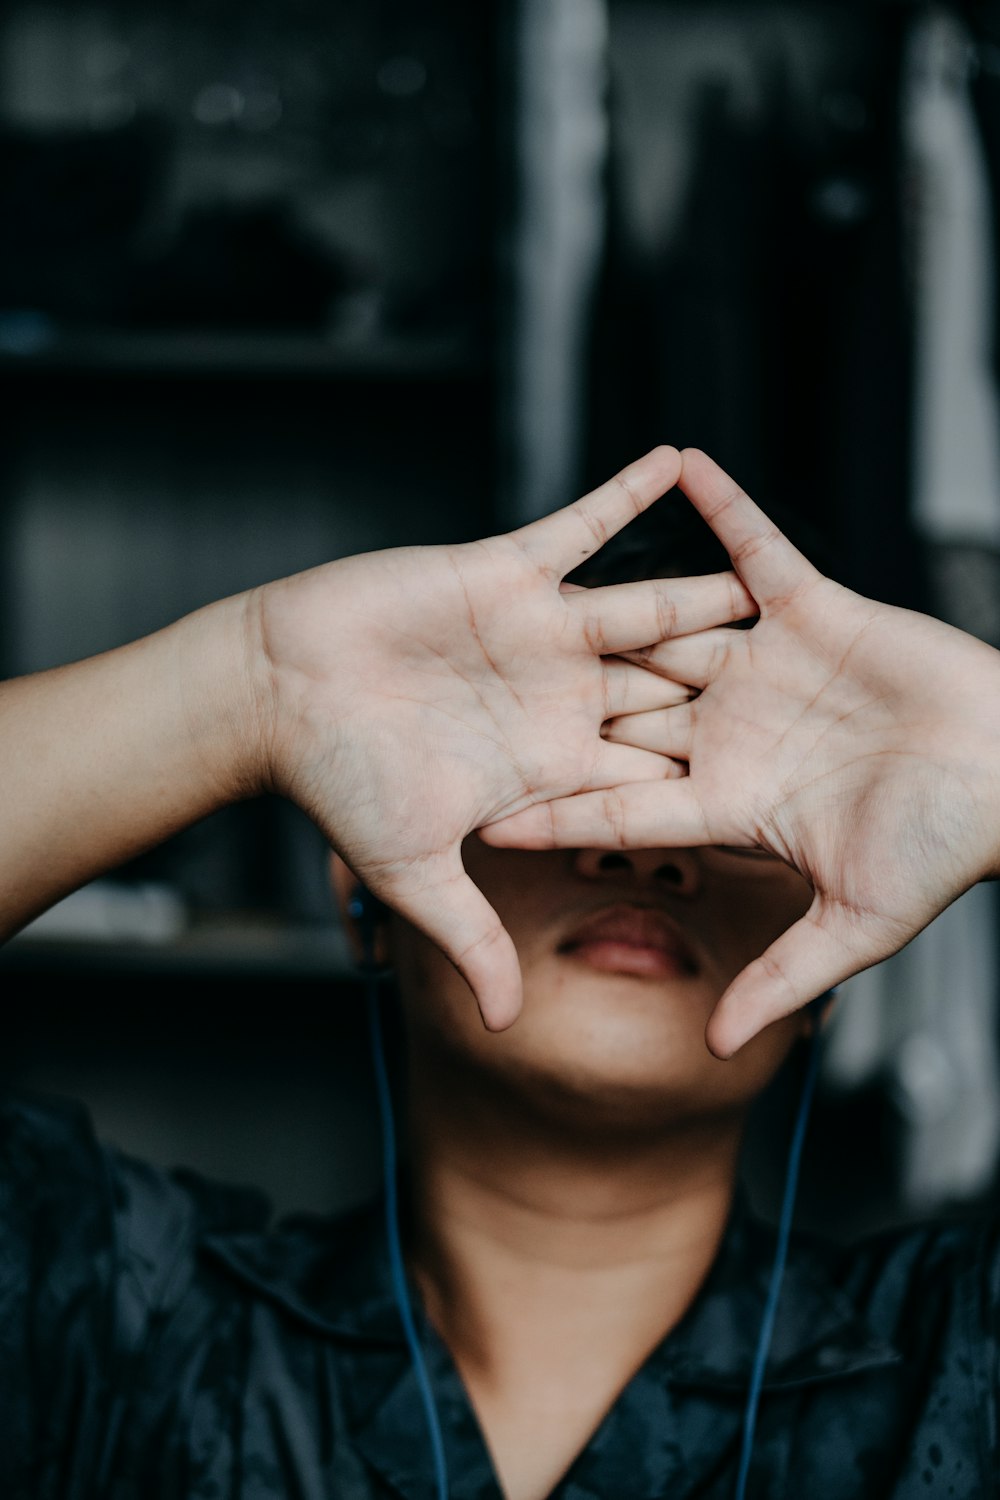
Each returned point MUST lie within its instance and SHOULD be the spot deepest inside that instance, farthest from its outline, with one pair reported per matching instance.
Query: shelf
(244, 946)
(244, 355)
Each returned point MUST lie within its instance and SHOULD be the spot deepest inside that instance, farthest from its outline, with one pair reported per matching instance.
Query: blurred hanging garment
(928, 1017)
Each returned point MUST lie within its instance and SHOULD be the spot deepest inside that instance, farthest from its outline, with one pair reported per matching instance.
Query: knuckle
(624, 484)
(593, 634)
(615, 816)
(666, 615)
(594, 524)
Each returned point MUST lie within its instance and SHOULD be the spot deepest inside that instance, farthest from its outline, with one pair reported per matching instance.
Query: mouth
(639, 941)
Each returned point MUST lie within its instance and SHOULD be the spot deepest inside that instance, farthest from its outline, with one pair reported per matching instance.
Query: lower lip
(643, 962)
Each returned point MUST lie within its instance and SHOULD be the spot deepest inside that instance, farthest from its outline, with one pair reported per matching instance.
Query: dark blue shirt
(159, 1340)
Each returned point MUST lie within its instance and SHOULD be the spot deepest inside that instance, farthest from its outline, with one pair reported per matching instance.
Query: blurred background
(283, 282)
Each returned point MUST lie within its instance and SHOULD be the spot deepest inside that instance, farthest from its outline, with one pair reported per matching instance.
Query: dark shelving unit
(249, 356)
(249, 303)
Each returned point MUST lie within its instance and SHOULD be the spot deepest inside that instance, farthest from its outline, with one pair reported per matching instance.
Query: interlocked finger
(692, 659)
(668, 731)
(631, 616)
(644, 815)
(623, 764)
(629, 689)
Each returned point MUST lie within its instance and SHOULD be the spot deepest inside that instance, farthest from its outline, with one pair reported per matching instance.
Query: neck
(536, 1245)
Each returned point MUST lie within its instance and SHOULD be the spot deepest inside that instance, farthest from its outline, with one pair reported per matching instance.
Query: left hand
(857, 742)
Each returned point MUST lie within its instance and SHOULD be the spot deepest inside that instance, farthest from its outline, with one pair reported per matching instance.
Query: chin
(592, 1050)
(624, 1015)
(606, 1098)
(612, 1047)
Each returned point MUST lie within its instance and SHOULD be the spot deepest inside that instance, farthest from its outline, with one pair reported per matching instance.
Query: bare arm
(107, 757)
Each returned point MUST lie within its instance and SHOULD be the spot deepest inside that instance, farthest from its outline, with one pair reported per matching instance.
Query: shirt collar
(334, 1276)
(819, 1333)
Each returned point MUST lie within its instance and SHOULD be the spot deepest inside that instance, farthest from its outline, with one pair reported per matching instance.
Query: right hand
(421, 692)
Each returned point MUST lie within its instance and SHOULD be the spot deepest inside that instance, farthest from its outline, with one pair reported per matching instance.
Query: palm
(462, 685)
(814, 715)
(844, 736)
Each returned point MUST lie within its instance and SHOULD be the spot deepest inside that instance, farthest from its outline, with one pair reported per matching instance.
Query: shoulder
(928, 1256)
(80, 1219)
(932, 1290)
(52, 1162)
(96, 1250)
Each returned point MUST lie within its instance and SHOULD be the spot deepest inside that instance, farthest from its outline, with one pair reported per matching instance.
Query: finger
(452, 911)
(810, 958)
(629, 616)
(664, 732)
(632, 690)
(563, 540)
(645, 815)
(765, 559)
(624, 763)
(692, 659)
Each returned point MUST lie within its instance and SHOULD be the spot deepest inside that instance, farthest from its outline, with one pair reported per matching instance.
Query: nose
(676, 870)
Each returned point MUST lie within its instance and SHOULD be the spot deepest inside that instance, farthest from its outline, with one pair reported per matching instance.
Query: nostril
(671, 874)
(613, 862)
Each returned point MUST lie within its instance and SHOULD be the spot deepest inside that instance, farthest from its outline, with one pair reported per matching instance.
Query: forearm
(106, 758)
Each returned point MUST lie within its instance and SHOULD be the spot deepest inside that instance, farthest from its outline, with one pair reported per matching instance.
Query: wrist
(991, 819)
(227, 703)
(981, 765)
(299, 632)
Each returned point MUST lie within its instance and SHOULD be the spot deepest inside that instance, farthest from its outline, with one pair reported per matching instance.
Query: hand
(422, 692)
(857, 742)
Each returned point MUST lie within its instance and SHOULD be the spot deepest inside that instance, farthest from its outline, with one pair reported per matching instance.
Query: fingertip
(492, 970)
(520, 830)
(499, 995)
(669, 458)
(497, 1018)
(698, 467)
(495, 835)
(731, 1025)
(717, 1041)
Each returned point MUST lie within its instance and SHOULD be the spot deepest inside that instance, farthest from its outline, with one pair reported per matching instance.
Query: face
(623, 957)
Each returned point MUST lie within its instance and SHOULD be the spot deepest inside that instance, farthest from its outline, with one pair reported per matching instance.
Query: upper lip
(638, 926)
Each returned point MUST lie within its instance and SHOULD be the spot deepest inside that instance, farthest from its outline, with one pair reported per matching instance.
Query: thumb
(452, 911)
(814, 955)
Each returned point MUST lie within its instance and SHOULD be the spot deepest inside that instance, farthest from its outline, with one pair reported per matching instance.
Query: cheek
(760, 911)
(431, 989)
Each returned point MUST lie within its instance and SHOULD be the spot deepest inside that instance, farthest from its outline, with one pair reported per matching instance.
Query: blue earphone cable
(780, 1251)
(389, 1173)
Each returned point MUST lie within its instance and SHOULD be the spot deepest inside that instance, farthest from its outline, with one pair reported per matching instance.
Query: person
(810, 792)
